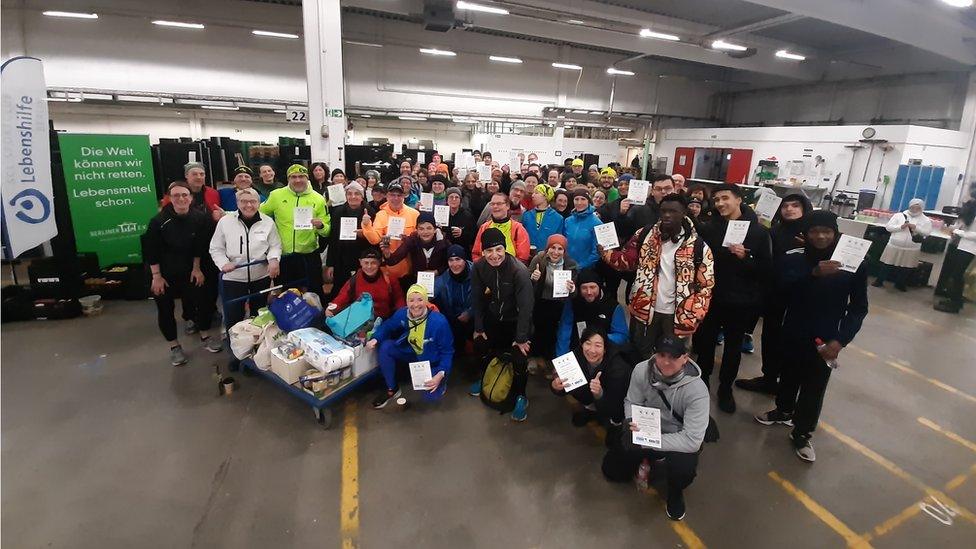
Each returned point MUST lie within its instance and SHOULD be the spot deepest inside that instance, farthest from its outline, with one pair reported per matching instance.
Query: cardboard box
(287, 369)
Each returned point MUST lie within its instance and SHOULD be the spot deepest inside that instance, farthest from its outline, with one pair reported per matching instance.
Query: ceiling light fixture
(575, 22)
(614, 71)
(435, 51)
(480, 7)
(367, 44)
(178, 24)
(723, 45)
(648, 33)
(65, 99)
(282, 111)
(219, 108)
(414, 118)
(567, 66)
(71, 14)
(464, 120)
(783, 54)
(501, 59)
(366, 116)
(274, 34)
(959, 3)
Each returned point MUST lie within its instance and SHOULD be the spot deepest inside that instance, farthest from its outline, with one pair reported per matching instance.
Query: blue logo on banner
(31, 198)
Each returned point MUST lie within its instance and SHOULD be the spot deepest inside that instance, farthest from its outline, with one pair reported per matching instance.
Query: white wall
(545, 147)
(934, 146)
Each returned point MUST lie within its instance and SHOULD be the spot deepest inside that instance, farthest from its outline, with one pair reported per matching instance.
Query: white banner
(28, 199)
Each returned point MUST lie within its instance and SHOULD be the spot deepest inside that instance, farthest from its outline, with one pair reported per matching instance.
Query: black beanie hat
(821, 218)
(426, 217)
(581, 191)
(589, 275)
(492, 237)
(370, 252)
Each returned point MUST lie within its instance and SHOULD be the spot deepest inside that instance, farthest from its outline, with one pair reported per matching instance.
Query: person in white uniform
(908, 229)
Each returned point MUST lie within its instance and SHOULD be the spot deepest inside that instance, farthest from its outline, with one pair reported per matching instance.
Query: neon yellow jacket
(281, 204)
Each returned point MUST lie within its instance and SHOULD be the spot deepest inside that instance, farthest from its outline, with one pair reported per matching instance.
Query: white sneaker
(804, 450)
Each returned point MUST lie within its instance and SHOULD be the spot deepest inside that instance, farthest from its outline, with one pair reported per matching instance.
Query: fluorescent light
(723, 45)
(282, 111)
(787, 55)
(567, 66)
(65, 99)
(414, 118)
(179, 24)
(959, 3)
(72, 14)
(480, 7)
(97, 96)
(501, 59)
(143, 99)
(219, 108)
(367, 44)
(435, 51)
(575, 22)
(366, 116)
(560, 116)
(612, 70)
(648, 33)
(464, 120)
(441, 116)
(274, 34)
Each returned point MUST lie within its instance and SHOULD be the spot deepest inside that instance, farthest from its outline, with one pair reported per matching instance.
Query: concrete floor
(106, 445)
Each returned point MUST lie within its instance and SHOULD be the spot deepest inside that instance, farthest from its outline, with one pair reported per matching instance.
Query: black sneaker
(773, 417)
(385, 397)
(726, 402)
(582, 417)
(757, 385)
(676, 505)
(803, 448)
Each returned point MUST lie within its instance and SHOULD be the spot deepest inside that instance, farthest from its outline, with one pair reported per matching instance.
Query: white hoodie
(234, 242)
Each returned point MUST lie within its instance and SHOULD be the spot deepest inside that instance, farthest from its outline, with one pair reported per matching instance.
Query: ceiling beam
(931, 28)
(755, 26)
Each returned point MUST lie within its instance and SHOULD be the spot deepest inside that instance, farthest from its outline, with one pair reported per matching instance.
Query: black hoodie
(615, 380)
(740, 282)
(784, 234)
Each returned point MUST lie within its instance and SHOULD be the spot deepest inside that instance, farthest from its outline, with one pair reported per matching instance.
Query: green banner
(111, 193)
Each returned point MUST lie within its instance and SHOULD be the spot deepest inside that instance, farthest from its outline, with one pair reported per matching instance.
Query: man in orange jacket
(377, 230)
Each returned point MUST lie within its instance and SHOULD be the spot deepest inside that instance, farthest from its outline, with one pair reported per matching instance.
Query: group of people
(520, 276)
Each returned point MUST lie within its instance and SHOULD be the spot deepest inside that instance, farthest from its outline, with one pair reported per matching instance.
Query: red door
(684, 157)
(738, 170)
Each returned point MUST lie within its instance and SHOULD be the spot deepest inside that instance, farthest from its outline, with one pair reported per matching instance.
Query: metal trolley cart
(321, 406)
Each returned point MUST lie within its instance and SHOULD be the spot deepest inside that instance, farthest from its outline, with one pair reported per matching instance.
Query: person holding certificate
(607, 376)
(386, 292)
(346, 240)
(385, 229)
(825, 310)
(743, 273)
(415, 333)
(908, 229)
(552, 272)
(438, 187)
(670, 386)
(460, 227)
(426, 249)
(579, 230)
(591, 307)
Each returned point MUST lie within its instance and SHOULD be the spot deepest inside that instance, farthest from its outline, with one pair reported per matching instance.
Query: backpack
(496, 384)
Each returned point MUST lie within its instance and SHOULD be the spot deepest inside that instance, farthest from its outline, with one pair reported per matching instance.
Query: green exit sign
(335, 113)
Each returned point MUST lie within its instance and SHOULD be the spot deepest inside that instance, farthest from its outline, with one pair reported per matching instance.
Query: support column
(326, 86)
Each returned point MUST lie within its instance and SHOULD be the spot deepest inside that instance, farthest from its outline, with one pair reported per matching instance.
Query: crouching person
(670, 382)
(607, 376)
(414, 333)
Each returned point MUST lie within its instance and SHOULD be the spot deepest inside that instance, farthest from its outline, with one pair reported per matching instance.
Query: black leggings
(621, 462)
(954, 274)
(733, 320)
(234, 312)
(545, 316)
(193, 298)
(307, 267)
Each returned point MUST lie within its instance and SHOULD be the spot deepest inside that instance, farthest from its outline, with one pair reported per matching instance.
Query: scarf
(415, 332)
(550, 267)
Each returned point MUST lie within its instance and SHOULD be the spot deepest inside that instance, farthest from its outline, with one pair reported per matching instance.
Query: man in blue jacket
(541, 221)
(590, 308)
(414, 334)
(452, 295)
(824, 311)
(579, 230)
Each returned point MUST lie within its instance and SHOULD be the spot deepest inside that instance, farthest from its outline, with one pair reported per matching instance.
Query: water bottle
(820, 345)
(643, 475)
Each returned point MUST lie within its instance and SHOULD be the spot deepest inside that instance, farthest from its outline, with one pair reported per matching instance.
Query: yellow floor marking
(912, 372)
(828, 518)
(914, 509)
(681, 528)
(896, 470)
(949, 434)
(349, 498)
(923, 322)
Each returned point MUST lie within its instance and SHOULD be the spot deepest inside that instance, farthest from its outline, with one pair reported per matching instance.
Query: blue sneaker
(520, 413)
(747, 346)
(720, 339)
(475, 388)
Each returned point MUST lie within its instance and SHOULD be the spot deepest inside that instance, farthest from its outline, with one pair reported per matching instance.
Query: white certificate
(560, 278)
(396, 227)
(426, 279)
(484, 171)
(606, 236)
(337, 194)
(515, 162)
(648, 422)
(637, 192)
(568, 370)
(767, 205)
(850, 252)
(420, 374)
(442, 215)
(302, 218)
(426, 202)
(580, 326)
(421, 157)
(465, 160)
(347, 228)
(735, 233)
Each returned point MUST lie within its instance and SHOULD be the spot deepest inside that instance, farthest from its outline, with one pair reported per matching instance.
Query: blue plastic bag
(291, 312)
(352, 318)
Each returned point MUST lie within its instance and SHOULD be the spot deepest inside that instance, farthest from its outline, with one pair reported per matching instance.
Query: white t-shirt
(664, 303)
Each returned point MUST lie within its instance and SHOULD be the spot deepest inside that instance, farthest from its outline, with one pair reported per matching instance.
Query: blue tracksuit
(539, 233)
(582, 239)
(394, 347)
(452, 297)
